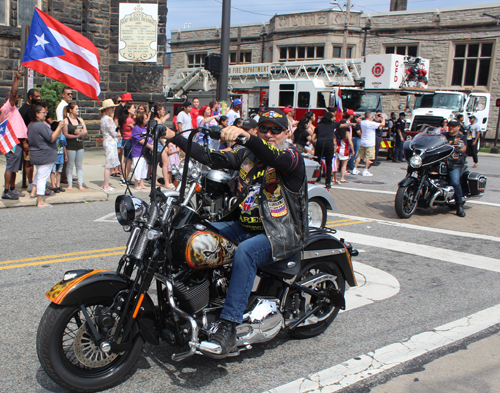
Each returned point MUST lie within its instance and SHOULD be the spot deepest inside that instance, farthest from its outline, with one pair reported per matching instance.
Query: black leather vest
(283, 213)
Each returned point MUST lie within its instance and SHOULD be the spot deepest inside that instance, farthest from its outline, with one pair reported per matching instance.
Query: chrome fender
(316, 191)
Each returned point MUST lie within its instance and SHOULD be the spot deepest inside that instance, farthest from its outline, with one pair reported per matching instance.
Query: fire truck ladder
(333, 72)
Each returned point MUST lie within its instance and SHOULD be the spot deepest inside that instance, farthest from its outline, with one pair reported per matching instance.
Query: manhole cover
(368, 182)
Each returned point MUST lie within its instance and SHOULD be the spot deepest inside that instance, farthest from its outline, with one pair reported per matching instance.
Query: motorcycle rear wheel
(64, 341)
(403, 203)
(317, 213)
(319, 321)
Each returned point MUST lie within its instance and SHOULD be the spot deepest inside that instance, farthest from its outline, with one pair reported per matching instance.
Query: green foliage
(51, 94)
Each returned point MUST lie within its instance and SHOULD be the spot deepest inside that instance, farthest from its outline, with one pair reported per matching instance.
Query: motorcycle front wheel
(301, 302)
(403, 203)
(68, 353)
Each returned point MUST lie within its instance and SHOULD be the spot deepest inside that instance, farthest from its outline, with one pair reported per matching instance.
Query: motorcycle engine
(262, 322)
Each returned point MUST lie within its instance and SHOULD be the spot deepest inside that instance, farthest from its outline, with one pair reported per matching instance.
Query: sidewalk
(93, 175)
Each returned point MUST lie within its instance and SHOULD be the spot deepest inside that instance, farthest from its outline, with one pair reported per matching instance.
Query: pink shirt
(15, 119)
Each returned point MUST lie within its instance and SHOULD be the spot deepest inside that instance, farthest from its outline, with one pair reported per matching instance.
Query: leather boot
(225, 336)
(460, 209)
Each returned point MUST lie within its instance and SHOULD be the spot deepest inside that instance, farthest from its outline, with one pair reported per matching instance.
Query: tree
(51, 95)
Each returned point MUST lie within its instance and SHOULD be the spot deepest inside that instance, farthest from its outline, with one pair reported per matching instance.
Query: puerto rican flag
(340, 109)
(56, 51)
(8, 139)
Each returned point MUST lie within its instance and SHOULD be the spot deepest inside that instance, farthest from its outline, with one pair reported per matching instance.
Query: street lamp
(347, 14)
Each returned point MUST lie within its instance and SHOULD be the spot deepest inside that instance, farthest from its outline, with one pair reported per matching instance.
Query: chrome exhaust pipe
(433, 199)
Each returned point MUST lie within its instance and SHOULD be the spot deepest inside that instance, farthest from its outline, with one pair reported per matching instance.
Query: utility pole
(347, 15)
(223, 81)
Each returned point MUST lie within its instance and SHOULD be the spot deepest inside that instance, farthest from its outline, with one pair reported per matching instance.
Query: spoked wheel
(317, 213)
(404, 204)
(72, 357)
(298, 303)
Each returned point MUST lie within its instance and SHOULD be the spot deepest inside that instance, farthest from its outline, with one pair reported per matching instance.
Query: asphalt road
(433, 291)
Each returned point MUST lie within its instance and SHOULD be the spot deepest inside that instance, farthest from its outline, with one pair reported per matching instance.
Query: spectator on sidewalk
(67, 95)
(235, 111)
(126, 123)
(344, 146)
(356, 142)
(14, 158)
(368, 140)
(158, 114)
(33, 98)
(110, 134)
(473, 131)
(195, 112)
(138, 140)
(62, 157)
(43, 150)
(184, 121)
(301, 135)
(74, 130)
(444, 126)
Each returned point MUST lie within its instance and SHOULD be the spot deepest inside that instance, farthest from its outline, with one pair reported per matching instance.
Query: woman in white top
(110, 138)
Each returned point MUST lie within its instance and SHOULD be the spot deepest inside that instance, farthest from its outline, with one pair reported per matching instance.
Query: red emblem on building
(378, 70)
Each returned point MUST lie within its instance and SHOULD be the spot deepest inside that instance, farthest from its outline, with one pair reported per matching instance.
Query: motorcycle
(211, 192)
(426, 184)
(94, 329)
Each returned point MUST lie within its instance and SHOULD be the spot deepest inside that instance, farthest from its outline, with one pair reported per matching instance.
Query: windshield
(359, 101)
(429, 138)
(439, 100)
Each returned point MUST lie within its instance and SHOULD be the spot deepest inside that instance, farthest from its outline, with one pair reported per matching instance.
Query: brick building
(461, 42)
(98, 21)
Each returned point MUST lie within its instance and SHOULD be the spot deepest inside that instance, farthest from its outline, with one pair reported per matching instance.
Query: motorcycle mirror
(214, 132)
(218, 160)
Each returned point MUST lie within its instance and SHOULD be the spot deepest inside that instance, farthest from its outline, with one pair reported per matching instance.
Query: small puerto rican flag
(8, 139)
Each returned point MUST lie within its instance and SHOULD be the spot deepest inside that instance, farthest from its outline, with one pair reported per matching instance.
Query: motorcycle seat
(286, 268)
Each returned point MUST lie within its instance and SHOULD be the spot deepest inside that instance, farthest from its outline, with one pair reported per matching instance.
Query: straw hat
(107, 104)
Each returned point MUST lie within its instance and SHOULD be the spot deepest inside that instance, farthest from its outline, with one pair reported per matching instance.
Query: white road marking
(365, 366)
(111, 217)
(373, 285)
(394, 193)
(441, 254)
(418, 227)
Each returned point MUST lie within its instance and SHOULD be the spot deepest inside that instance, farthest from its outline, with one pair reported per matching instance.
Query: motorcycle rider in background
(456, 162)
(272, 223)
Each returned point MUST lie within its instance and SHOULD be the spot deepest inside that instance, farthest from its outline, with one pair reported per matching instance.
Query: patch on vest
(275, 201)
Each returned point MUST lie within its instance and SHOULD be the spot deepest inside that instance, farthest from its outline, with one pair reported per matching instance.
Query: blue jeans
(357, 143)
(454, 179)
(253, 251)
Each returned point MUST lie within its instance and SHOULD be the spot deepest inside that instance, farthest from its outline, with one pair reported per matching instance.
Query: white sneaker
(355, 171)
(366, 173)
(30, 187)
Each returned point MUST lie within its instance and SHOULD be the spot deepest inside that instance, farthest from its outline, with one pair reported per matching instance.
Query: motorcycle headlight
(416, 161)
(129, 208)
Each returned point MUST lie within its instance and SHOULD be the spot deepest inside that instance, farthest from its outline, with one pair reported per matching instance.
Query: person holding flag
(12, 132)
(60, 53)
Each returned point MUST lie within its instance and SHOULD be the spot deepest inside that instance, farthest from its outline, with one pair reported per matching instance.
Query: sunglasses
(274, 130)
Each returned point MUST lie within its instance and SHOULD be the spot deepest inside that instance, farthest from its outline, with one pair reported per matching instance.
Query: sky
(205, 13)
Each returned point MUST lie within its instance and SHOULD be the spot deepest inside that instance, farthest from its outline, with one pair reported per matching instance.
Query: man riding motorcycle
(272, 223)
(456, 162)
